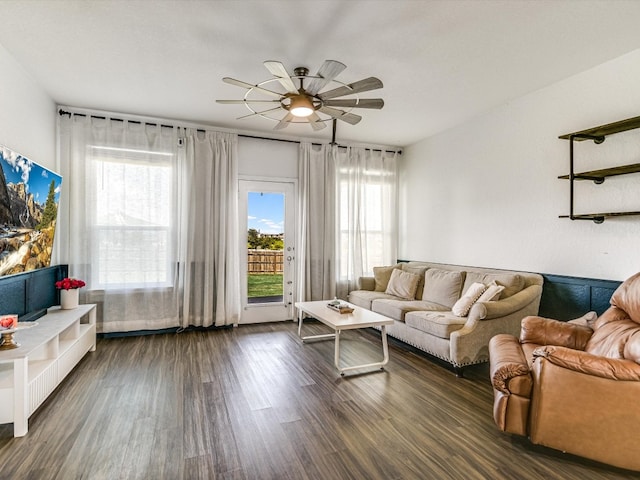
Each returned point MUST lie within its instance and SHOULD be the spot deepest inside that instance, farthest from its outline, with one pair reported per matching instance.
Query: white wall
(486, 193)
(267, 158)
(27, 114)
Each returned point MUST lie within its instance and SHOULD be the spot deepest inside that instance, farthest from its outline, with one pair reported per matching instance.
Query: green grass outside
(269, 285)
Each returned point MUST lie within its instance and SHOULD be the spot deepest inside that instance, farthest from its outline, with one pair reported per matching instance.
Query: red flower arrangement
(69, 284)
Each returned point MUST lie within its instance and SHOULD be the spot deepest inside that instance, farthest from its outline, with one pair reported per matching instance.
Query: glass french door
(267, 250)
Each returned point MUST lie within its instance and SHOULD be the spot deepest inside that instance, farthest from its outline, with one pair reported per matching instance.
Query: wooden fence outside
(265, 262)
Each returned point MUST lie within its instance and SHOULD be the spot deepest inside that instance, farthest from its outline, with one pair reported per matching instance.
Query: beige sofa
(452, 311)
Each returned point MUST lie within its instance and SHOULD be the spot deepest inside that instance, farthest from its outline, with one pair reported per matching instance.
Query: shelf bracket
(597, 139)
(596, 180)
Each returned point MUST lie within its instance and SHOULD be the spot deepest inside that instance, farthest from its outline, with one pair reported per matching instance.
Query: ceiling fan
(305, 101)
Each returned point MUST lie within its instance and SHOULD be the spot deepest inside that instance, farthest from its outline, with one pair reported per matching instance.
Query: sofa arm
(545, 331)
(367, 283)
(588, 364)
(506, 306)
(509, 369)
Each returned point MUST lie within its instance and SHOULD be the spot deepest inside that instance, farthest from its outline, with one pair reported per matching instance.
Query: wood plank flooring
(255, 403)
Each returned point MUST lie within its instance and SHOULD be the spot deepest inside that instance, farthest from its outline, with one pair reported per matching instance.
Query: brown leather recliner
(574, 386)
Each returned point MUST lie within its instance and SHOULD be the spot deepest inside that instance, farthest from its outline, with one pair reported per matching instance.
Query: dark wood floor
(254, 403)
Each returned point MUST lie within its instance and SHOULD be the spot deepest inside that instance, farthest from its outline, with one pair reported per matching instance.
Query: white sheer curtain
(317, 218)
(366, 199)
(150, 226)
(212, 256)
(119, 207)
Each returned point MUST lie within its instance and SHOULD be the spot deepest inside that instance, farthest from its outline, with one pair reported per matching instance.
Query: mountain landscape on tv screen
(29, 199)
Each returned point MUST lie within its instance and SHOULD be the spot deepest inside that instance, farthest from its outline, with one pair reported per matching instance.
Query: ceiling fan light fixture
(307, 101)
(301, 106)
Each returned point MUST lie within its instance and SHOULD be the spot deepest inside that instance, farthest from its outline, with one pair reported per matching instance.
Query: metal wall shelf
(598, 135)
(604, 130)
(598, 176)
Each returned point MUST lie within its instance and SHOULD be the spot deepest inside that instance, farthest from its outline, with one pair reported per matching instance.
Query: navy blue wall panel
(13, 295)
(565, 298)
(29, 294)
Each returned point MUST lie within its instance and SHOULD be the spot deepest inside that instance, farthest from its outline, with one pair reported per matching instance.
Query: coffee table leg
(336, 356)
(385, 354)
(385, 347)
(323, 336)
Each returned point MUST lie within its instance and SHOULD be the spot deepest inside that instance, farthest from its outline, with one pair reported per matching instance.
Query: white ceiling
(441, 62)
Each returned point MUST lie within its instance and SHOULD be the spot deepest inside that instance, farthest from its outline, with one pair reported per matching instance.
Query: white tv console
(48, 351)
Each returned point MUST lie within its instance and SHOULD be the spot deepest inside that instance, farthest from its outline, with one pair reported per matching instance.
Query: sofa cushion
(397, 309)
(402, 284)
(416, 270)
(610, 339)
(439, 324)
(363, 298)
(632, 347)
(627, 297)
(442, 286)
(463, 305)
(382, 276)
(546, 331)
(512, 282)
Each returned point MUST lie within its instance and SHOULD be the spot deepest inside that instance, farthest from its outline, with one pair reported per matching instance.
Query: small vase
(69, 298)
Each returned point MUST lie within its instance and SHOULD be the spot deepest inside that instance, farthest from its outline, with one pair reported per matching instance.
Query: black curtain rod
(64, 112)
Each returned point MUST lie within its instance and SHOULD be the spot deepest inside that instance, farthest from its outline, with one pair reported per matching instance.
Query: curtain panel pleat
(317, 214)
(148, 224)
(212, 255)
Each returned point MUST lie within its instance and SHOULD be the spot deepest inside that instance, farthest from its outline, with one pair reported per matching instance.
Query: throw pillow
(492, 293)
(416, 270)
(382, 276)
(463, 305)
(402, 284)
(442, 286)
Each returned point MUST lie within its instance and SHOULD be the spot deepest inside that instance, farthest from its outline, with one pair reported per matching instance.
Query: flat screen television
(29, 199)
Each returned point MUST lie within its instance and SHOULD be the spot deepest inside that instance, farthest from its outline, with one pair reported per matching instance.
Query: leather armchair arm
(510, 372)
(583, 362)
(545, 331)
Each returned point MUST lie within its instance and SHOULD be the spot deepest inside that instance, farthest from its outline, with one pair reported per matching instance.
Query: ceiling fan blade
(258, 113)
(277, 70)
(371, 83)
(316, 122)
(231, 102)
(285, 121)
(357, 103)
(340, 115)
(238, 83)
(329, 70)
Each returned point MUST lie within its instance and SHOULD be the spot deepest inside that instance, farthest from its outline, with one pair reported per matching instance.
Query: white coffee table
(359, 318)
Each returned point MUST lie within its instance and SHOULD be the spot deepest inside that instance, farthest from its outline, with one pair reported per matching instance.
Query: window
(366, 203)
(369, 244)
(131, 218)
